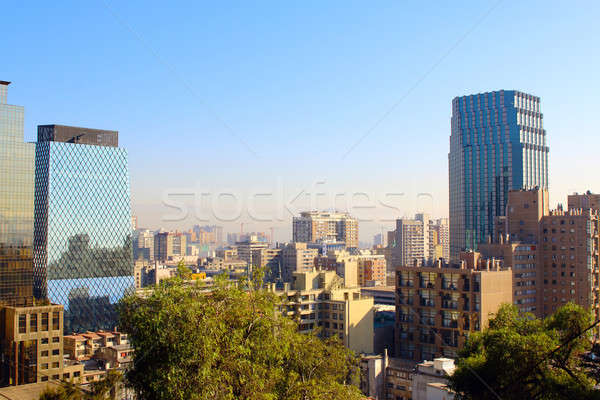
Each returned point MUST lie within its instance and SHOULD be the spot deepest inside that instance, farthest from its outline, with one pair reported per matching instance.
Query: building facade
(296, 257)
(437, 307)
(17, 172)
(553, 254)
(314, 226)
(497, 144)
(319, 299)
(82, 229)
(169, 246)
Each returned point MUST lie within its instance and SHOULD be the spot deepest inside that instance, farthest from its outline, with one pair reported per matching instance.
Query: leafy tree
(229, 342)
(521, 357)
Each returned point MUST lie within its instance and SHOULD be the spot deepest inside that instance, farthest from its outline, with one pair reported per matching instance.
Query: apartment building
(372, 269)
(169, 246)
(296, 257)
(383, 377)
(315, 226)
(32, 344)
(553, 254)
(83, 346)
(437, 307)
(319, 299)
(411, 239)
(343, 263)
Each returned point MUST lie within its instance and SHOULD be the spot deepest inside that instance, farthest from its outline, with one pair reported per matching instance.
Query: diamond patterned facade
(82, 235)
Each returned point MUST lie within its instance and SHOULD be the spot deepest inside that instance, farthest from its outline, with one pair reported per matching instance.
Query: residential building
(437, 307)
(32, 344)
(17, 172)
(584, 201)
(315, 226)
(319, 299)
(82, 230)
(343, 263)
(553, 254)
(411, 242)
(170, 246)
(143, 245)
(439, 240)
(384, 377)
(372, 269)
(84, 346)
(431, 378)
(497, 144)
(296, 257)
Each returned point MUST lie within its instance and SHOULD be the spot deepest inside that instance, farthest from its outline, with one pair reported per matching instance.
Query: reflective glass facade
(82, 242)
(497, 144)
(16, 206)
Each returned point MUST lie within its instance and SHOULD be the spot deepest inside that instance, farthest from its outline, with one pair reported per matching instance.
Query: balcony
(427, 284)
(449, 323)
(449, 304)
(449, 285)
(405, 318)
(426, 302)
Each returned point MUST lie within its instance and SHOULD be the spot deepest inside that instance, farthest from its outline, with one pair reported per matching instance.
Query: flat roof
(31, 391)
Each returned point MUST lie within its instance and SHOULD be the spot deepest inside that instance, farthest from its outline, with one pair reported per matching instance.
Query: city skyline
(335, 102)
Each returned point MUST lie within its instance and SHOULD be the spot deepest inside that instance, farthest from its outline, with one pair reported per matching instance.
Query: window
(55, 320)
(44, 379)
(44, 321)
(22, 323)
(33, 322)
(44, 366)
(45, 353)
(55, 352)
(55, 365)
(45, 340)
(56, 339)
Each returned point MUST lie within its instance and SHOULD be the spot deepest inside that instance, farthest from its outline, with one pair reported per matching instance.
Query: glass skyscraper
(16, 206)
(82, 236)
(497, 144)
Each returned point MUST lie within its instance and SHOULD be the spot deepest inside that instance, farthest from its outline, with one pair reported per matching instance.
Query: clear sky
(281, 97)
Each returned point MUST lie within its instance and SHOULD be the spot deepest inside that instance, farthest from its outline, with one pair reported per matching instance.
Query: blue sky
(255, 98)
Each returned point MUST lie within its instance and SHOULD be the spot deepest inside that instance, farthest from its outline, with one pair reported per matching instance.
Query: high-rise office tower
(82, 232)
(16, 205)
(325, 227)
(497, 144)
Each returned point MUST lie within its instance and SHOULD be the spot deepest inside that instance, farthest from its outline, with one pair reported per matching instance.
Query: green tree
(229, 342)
(521, 357)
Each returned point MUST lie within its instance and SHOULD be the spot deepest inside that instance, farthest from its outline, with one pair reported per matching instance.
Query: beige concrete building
(315, 226)
(437, 307)
(343, 263)
(382, 378)
(296, 257)
(319, 299)
(32, 344)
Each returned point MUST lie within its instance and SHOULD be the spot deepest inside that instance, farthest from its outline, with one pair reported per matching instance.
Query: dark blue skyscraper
(82, 236)
(497, 144)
